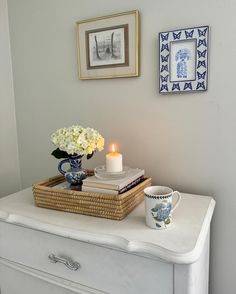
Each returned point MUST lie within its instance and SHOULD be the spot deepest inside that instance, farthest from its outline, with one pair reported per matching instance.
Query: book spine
(99, 190)
(101, 186)
(131, 185)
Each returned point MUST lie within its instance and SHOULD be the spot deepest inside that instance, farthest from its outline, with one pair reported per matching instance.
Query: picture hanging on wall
(183, 60)
(108, 46)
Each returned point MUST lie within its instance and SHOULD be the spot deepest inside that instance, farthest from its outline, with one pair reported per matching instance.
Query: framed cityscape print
(183, 60)
(108, 46)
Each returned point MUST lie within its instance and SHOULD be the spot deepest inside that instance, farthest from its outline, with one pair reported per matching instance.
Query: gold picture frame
(108, 46)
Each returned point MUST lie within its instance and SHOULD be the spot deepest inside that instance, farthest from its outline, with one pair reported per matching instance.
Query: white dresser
(50, 252)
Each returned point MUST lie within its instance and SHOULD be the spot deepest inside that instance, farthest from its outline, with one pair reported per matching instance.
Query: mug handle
(177, 202)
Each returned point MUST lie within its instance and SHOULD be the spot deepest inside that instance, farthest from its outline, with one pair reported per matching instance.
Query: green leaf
(60, 154)
(167, 221)
(90, 155)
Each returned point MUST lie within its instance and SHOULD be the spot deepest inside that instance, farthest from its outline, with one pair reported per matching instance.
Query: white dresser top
(182, 242)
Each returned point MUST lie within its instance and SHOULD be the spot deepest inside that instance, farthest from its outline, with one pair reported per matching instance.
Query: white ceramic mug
(159, 206)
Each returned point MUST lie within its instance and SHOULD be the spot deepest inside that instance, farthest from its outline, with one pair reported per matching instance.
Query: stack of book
(114, 187)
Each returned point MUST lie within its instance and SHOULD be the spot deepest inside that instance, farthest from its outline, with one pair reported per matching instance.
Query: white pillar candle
(114, 161)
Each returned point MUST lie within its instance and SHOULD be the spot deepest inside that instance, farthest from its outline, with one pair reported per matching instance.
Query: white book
(119, 184)
(99, 190)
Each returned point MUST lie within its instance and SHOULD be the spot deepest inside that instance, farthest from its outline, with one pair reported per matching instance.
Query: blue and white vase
(75, 174)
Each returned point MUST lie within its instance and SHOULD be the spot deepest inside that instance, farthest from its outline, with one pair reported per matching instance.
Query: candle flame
(113, 148)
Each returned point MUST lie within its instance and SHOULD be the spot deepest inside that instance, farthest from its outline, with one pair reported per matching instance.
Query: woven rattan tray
(108, 206)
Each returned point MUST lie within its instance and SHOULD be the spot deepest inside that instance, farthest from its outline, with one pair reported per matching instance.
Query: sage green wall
(9, 169)
(183, 141)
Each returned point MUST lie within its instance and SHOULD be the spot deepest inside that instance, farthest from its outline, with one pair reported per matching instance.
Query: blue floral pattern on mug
(161, 212)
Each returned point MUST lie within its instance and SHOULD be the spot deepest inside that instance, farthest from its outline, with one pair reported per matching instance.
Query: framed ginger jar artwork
(183, 59)
(108, 46)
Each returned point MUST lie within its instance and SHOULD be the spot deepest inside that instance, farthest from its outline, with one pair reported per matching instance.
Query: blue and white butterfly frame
(201, 37)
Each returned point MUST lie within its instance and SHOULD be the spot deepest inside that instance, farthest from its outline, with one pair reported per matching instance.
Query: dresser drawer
(101, 268)
(34, 285)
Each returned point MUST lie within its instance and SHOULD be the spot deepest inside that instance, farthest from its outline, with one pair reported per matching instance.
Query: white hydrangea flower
(78, 140)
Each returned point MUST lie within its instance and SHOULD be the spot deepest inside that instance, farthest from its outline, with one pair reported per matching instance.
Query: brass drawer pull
(72, 265)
